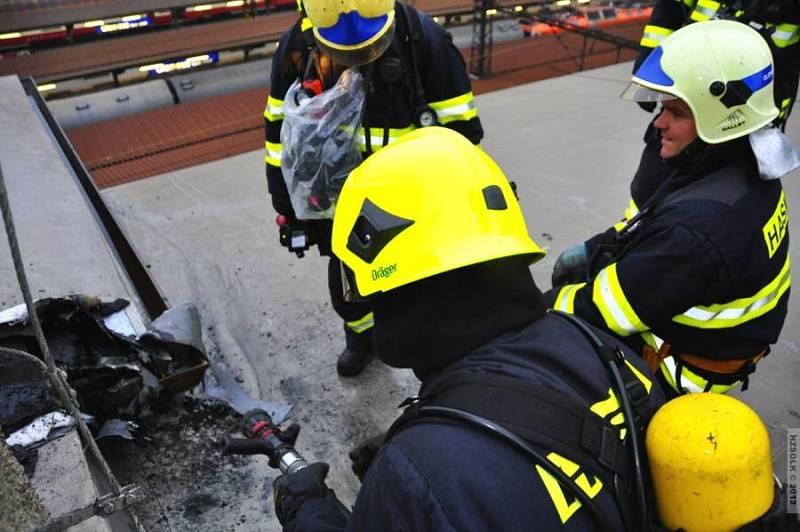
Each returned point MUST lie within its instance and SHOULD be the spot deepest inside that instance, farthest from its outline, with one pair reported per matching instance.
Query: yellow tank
(710, 462)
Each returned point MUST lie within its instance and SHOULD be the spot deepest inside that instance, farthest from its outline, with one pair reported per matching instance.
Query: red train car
(589, 17)
(91, 29)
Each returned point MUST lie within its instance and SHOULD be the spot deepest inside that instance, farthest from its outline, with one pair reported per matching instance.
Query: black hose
(626, 409)
(634, 435)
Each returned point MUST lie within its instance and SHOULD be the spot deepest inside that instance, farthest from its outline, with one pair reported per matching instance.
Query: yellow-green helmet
(710, 463)
(722, 69)
(352, 32)
(426, 204)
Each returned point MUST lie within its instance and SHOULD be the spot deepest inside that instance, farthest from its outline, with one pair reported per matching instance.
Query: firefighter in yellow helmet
(430, 232)
(411, 76)
(698, 281)
(354, 32)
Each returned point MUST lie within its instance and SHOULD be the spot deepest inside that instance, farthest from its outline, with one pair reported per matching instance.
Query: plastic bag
(320, 144)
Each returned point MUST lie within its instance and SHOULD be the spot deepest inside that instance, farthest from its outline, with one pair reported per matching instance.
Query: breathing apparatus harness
(390, 70)
(501, 407)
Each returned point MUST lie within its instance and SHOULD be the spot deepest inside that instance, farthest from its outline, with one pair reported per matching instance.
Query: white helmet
(723, 71)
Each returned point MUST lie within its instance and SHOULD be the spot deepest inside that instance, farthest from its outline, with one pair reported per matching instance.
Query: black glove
(362, 455)
(278, 192)
(571, 267)
(291, 491)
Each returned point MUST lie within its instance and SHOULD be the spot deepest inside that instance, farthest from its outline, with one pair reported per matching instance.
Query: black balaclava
(431, 323)
(700, 158)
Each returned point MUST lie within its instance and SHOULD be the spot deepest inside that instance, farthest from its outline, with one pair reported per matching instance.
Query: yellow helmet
(710, 463)
(722, 69)
(426, 204)
(352, 32)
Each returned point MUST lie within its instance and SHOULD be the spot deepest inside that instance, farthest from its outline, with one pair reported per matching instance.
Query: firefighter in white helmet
(698, 281)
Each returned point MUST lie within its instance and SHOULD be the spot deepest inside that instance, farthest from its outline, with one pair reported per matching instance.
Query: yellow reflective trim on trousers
(786, 35)
(274, 109)
(630, 211)
(567, 508)
(565, 302)
(705, 10)
(273, 153)
(376, 136)
(459, 108)
(361, 325)
(690, 381)
(610, 300)
(722, 316)
(653, 35)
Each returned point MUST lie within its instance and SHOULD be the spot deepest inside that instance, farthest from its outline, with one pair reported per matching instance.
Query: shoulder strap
(636, 408)
(637, 394)
(538, 415)
(412, 27)
(411, 24)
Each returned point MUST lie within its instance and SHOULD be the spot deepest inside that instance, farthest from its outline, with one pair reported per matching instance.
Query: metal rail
(587, 34)
(484, 13)
(145, 287)
(480, 62)
(596, 34)
(482, 40)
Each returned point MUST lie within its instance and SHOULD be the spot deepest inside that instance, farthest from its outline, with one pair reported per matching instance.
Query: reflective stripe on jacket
(707, 269)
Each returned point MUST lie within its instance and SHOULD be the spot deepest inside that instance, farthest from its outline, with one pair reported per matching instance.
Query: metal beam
(586, 32)
(480, 57)
(146, 288)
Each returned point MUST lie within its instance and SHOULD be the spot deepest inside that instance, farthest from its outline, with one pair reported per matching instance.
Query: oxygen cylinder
(710, 463)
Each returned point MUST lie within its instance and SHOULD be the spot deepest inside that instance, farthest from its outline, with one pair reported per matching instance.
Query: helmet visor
(639, 93)
(356, 55)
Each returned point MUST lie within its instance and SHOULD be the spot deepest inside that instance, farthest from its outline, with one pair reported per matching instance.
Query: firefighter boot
(352, 361)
